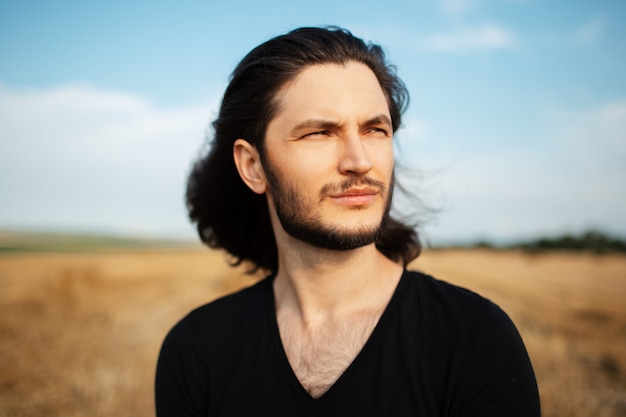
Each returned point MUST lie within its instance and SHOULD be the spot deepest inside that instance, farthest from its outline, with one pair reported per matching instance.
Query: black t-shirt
(438, 350)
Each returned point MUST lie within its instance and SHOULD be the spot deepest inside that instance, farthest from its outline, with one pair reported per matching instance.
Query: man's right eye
(317, 133)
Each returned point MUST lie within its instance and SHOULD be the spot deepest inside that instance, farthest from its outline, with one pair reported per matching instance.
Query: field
(80, 332)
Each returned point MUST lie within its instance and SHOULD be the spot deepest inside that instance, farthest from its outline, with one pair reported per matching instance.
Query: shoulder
(202, 347)
(477, 345)
(453, 314)
(221, 316)
(442, 298)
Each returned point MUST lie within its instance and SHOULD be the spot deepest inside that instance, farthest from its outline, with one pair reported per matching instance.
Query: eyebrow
(380, 119)
(329, 124)
(313, 124)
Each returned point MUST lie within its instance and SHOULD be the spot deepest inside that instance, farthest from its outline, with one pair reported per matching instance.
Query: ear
(248, 162)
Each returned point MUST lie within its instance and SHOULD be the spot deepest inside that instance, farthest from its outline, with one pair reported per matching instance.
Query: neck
(318, 284)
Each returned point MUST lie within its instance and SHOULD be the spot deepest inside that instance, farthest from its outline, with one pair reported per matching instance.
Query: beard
(293, 213)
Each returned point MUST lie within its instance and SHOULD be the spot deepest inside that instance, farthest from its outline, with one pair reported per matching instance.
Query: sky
(516, 126)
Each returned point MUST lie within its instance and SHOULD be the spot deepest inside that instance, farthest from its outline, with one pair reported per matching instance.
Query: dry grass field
(80, 332)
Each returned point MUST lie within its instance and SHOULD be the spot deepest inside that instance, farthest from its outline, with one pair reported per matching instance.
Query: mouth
(355, 196)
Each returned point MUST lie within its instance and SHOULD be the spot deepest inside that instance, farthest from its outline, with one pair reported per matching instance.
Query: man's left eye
(378, 130)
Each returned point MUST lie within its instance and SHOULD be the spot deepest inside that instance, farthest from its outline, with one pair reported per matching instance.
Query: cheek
(303, 178)
(381, 155)
(309, 166)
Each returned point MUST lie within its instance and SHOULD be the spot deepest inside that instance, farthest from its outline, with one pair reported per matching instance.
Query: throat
(320, 354)
(326, 319)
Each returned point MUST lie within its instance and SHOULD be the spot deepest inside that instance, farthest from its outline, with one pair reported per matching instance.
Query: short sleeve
(501, 378)
(182, 377)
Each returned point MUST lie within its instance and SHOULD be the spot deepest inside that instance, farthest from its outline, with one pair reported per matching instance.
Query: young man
(299, 182)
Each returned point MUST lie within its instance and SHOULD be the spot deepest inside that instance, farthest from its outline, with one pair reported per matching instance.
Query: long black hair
(227, 213)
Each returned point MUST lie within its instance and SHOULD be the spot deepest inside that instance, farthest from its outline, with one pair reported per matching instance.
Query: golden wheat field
(80, 333)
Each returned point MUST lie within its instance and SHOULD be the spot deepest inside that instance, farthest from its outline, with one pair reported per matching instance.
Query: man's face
(329, 157)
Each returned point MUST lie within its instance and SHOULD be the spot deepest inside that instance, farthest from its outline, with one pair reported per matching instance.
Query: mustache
(341, 186)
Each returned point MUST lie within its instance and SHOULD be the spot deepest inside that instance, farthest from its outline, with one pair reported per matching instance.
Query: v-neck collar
(351, 371)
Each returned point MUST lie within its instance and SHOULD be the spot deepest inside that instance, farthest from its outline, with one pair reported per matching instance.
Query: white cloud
(488, 36)
(589, 32)
(571, 178)
(457, 7)
(81, 157)
(594, 136)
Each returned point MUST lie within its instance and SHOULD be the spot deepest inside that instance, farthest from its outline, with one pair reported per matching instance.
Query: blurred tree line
(590, 241)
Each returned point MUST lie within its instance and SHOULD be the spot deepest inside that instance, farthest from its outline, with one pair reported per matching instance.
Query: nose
(354, 159)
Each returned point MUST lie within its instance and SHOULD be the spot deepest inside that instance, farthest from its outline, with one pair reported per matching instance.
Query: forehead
(332, 91)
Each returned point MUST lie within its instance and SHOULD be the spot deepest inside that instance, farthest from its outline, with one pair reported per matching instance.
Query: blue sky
(517, 122)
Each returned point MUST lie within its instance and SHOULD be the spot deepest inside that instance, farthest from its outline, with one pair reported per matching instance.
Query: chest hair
(319, 356)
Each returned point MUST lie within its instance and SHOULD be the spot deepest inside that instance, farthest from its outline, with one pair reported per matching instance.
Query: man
(298, 182)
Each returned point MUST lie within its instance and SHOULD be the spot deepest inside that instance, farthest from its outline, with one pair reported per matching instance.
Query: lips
(355, 192)
(355, 196)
